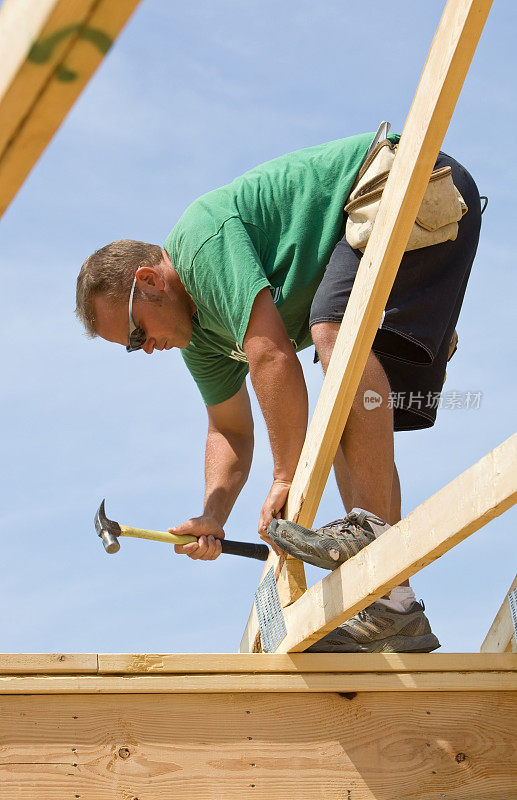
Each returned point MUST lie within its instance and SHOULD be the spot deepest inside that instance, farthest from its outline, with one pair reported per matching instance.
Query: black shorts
(412, 342)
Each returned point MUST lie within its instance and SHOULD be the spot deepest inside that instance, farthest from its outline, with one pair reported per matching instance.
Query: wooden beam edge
(105, 664)
(501, 632)
(458, 681)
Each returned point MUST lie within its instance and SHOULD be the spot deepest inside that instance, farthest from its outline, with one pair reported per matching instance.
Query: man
(252, 273)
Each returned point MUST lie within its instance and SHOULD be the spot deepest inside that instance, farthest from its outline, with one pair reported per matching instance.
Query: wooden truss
(474, 498)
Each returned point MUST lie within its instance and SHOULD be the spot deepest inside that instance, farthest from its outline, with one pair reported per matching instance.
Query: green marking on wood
(41, 51)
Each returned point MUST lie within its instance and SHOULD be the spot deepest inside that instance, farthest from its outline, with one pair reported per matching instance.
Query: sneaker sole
(284, 535)
(395, 644)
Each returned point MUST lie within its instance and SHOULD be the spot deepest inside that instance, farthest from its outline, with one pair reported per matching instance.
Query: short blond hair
(110, 271)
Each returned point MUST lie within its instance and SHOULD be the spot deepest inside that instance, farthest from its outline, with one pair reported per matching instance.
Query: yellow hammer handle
(157, 536)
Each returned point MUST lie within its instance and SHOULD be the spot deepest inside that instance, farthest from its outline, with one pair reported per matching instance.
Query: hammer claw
(108, 530)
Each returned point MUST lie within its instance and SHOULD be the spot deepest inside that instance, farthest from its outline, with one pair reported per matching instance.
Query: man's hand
(209, 533)
(275, 501)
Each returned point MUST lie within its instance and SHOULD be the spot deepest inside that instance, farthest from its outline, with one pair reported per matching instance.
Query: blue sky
(190, 96)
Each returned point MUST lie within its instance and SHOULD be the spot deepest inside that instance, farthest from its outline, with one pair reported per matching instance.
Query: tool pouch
(437, 218)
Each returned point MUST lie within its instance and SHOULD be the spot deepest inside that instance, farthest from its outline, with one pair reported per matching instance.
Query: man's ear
(149, 278)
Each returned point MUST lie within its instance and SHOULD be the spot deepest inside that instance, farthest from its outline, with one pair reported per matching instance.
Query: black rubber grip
(246, 549)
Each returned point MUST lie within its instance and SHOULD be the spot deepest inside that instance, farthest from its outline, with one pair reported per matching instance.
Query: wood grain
(38, 87)
(492, 680)
(49, 663)
(288, 747)
(158, 663)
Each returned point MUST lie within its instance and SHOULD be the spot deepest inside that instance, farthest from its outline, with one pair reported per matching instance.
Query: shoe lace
(361, 516)
(355, 516)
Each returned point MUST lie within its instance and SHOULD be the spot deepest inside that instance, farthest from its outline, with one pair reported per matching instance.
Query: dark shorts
(413, 340)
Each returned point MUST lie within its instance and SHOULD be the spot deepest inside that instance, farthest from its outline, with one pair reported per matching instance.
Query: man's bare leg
(367, 440)
(365, 469)
(344, 485)
(368, 479)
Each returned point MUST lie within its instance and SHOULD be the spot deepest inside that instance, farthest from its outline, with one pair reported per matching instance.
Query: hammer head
(108, 530)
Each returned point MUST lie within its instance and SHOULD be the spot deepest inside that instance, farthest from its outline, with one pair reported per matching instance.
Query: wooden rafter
(445, 70)
(50, 49)
(501, 634)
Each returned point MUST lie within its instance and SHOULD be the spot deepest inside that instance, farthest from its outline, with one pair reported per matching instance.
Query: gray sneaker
(379, 629)
(332, 544)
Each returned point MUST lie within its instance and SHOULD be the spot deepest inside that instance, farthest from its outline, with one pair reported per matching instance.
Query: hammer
(110, 531)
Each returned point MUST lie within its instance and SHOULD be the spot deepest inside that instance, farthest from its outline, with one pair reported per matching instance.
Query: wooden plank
(459, 509)
(48, 663)
(445, 70)
(408, 746)
(499, 637)
(50, 49)
(495, 681)
(257, 663)
(170, 663)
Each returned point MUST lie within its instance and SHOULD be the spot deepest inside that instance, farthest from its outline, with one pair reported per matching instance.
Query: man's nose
(148, 346)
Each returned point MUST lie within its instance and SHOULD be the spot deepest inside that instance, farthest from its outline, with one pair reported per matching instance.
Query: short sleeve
(218, 376)
(225, 277)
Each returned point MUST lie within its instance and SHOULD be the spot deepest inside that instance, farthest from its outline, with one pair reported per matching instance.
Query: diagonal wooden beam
(50, 49)
(467, 503)
(499, 637)
(444, 72)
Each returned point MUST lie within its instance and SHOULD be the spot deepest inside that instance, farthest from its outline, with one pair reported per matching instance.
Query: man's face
(163, 311)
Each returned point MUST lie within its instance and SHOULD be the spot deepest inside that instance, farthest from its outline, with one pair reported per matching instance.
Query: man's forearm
(227, 465)
(280, 388)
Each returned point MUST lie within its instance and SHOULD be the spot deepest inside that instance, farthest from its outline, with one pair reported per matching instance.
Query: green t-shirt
(275, 226)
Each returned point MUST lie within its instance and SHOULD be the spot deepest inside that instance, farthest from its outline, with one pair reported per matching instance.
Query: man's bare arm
(229, 451)
(279, 384)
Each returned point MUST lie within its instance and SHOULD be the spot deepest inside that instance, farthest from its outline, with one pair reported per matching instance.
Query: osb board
(387, 746)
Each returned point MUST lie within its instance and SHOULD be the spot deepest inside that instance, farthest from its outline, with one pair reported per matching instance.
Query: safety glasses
(137, 336)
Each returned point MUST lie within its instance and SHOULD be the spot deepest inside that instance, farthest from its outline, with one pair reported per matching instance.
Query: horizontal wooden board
(261, 682)
(426, 746)
(49, 663)
(20, 664)
(300, 662)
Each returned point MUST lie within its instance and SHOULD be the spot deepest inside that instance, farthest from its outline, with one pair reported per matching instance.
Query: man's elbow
(272, 357)
(241, 441)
